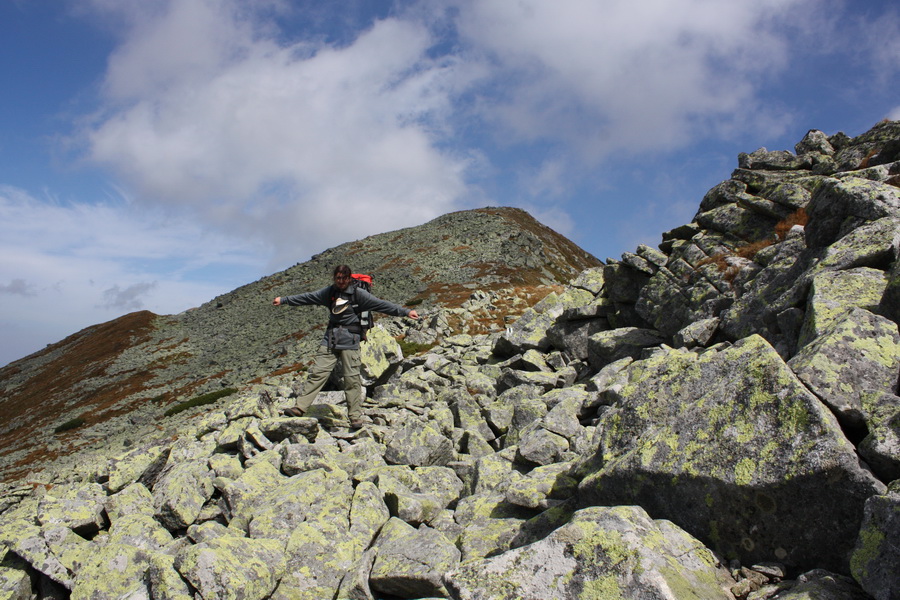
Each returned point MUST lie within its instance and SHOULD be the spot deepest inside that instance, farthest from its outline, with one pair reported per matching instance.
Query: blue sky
(157, 153)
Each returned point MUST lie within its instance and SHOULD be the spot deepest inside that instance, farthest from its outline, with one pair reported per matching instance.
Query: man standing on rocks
(342, 338)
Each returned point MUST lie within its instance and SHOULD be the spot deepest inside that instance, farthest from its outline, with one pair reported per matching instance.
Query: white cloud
(66, 266)
(303, 146)
(618, 76)
(894, 115)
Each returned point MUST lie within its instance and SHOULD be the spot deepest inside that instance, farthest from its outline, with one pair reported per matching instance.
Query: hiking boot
(356, 424)
(293, 411)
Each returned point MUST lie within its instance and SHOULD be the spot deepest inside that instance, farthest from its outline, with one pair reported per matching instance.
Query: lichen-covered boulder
(413, 442)
(317, 495)
(15, 582)
(290, 428)
(856, 358)
(876, 556)
(181, 492)
(489, 524)
(378, 354)
(368, 514)
(873, 243)
(833, 293)
(78, 507)
(729, 445)
(603, 552)
(411, 562)
(140, 464)
(881, 448)
(113, 572)
(542, 486)
(319, 554)
(530, 330)
(609, 346)
(244, 495)
(233, 568)
(134, 499)
(541, 447)
(822, 585)
(840, 205)
(28, 541)
(890, 300)
(166, 583)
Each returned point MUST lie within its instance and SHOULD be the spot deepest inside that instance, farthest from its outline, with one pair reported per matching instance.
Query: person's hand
(413, 314)
(277, 301)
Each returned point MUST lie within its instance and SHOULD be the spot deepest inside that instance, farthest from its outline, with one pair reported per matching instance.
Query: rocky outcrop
(717, 418)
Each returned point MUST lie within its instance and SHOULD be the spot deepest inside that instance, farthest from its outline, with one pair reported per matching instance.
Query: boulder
(881, 448)
(840, 205)
(319, 554)
(411, 562)
(833, 293)
(113, 572)
(889, 305)
(318, 496)
(856, 357)
(876, 555)
(233, 568)
(134, 499)
(489, 524)
(15, 582)
(822, 585)
(181, 492)
(781, 480)
(78, 507)
(609, 346)
(542, 487)
(603, 552)
(415, 443)
(378, 354)
(141, 464)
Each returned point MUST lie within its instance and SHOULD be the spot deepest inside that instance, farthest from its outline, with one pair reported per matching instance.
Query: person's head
(341, 277)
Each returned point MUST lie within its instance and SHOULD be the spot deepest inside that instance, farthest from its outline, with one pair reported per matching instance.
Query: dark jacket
(343, 332)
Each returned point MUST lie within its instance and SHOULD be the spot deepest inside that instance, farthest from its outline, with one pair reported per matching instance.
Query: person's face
(341, 281)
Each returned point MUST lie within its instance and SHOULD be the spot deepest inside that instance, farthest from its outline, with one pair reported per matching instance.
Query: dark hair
(341, 270)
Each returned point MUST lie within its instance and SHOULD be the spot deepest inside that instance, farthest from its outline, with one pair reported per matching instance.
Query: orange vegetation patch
(38, 403)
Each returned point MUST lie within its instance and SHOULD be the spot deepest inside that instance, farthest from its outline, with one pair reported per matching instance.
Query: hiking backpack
(366, 317)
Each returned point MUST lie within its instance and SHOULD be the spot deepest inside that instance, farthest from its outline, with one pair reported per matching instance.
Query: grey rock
(410, 562)
(289, 428)
(777, 448)
(233, 568)
(541, 447)
(15, 583)
(889, 305)
(833, 293)
(858, 356)
(413, 442)
(602, 552)
(134, 499)
(814, 141)
(876, 555)
(181, 492)
(881, 448)
(79, 508)
(141, 464)
(609, 346)
(839, 206)
(696, 334)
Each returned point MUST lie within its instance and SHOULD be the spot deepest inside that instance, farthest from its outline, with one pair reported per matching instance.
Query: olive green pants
(324, 362)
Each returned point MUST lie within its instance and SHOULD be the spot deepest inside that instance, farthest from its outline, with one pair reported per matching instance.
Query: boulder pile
(714, 419)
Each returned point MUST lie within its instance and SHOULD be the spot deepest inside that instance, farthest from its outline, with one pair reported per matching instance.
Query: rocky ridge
(121, 377)
(716, 418)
